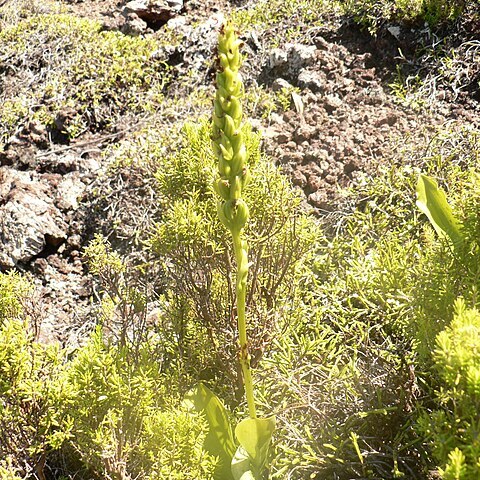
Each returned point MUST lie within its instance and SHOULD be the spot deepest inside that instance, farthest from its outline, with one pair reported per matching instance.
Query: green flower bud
(224, 169)
(236, 188)
(241, 215)
(227, 153)
(236, 141)
(233, 214)
(227, 140)
(237, 163)
(221, 215)
(236, 109)
(229, 128)
(223, 59)
(246, 176)
(222, 187)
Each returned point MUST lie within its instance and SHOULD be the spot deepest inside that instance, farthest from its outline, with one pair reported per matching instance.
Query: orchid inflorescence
(229, 147)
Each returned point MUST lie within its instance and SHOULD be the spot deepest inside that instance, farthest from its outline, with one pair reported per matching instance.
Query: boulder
(133, 25)
(292, 58)
(312, 80)
(154, 12)
(29, 220)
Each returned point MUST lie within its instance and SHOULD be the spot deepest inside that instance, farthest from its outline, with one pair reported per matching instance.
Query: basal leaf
(432, 201)
(219, 440)
(241, 466)
(255, 435)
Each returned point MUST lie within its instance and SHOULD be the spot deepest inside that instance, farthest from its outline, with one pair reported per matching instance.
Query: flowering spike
(229, 148)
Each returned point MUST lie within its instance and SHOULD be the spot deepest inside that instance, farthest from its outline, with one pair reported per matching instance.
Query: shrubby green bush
(389, 263)
(7, 471)
(364, 298)
(127, 419)
(33, 421)
(110, 406)
(452, 272)
(359, 351)
(452, 430)
(122, 310)
(194, 248)
(116, 409)
(262, 15)
(13, 289)
(343, 366)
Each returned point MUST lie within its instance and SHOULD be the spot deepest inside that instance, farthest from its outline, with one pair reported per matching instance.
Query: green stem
(241, 256)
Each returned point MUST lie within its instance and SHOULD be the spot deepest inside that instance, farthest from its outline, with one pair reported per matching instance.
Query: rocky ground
(341, 123)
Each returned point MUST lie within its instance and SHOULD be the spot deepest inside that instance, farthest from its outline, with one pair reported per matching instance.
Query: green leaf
(432, 201)
(255, 435)
(241, 466)
(219, 440)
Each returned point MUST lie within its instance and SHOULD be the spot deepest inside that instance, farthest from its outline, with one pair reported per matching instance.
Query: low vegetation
(363, 326)
(85, 79)
(372, 13)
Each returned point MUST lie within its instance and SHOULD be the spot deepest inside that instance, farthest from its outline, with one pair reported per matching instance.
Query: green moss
(65, 62)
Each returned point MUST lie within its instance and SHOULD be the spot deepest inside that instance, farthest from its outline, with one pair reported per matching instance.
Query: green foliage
(17, 10)
(262, 102)
(102, 260)
(193, 245)
(123, 305)
(409, 90)
(436, 72)
(91, 76)
(7, 471)
(383, 286)
(438, 11)
(265, 14)
(372, 13)
(124, 418)
(332, 371)
(451, 273)
(254, 436)
(456, 468)
(369, 13)
(452, 430)
(112, 407)
(173, 441)
(433, 203)
(13, 288)
(32, 419)
(219, 440)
